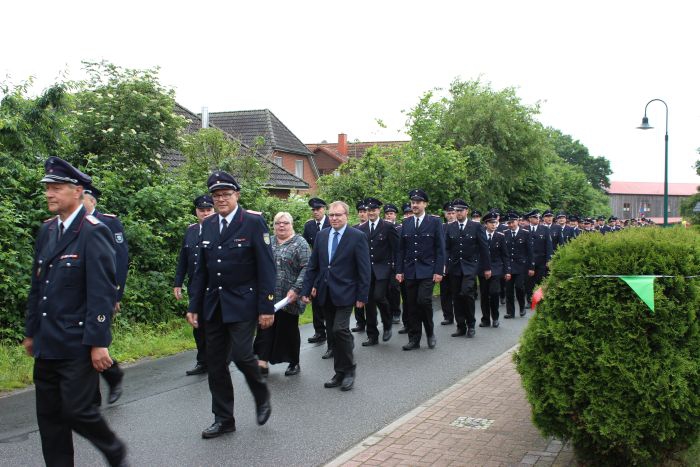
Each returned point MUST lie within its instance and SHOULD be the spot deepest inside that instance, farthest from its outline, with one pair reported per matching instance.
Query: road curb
(390, 428)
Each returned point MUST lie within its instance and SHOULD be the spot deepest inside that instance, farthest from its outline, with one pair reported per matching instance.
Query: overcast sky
(326, 67)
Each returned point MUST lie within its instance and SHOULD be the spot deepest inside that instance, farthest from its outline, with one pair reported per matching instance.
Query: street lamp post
(645, 126)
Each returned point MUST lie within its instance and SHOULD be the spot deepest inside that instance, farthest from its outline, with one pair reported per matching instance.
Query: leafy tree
(570, 190)
(596, 169)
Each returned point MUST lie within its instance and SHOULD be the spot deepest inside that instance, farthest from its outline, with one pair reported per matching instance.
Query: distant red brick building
(329, 156)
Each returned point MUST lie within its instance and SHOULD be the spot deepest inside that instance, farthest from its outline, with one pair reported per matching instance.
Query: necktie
(461, 227)
(334, 245)
(60, 230)
(489, 237)
(371, 228)
(224, 224)
(318, 226)
(534, 228)
(417, 223)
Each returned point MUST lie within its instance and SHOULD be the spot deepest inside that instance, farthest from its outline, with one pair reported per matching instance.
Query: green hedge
(600, 369)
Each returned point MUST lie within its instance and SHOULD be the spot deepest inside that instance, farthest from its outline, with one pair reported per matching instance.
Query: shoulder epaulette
(433, 215)
(500, 233)
(50, 219)
(92, 219)
(257, 213)
(192, 225)
(109, 215)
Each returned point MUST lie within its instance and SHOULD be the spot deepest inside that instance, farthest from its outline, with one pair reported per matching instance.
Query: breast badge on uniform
(119, 237)
(101, 318)
(266, 238)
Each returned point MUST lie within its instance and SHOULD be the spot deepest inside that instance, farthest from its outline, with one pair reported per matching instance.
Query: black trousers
(317, 315)
(419, 308)
(540, 273)
(393, 294)
(65, 402)
(490, 290)
(201, 341)
(360, 318)
(339, 336)
(377, 299)
(446, 301)
(463, 297)
(404, 313)
(234, 340)
(516, 285)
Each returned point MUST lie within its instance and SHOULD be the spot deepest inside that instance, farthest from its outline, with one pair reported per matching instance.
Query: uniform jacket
(383, 248)
(347, 276)
(498, 253)
(557, 234)
(421, 253)
(235, 270)
(541, 244)
(311, 229)
(467, 251)
(187, 259)
(570, 233)
(74, 289)
(121, 246)
(520, 251)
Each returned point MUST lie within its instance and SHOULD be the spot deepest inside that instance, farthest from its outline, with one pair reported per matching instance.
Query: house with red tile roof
(646, 199)
(329, 156)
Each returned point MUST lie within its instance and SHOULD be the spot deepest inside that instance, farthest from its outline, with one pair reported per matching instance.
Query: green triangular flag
(643, 286)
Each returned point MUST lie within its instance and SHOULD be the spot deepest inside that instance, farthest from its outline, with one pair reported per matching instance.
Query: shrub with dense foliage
(600, 369)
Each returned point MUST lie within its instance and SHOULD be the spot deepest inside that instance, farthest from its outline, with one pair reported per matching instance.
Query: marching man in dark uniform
(393, 294)
(69, 316)
(467, 256)
(446, 299)
(383, 246)
(312, 227)
(360, 319)
(521, 263)
(500, 268)
(421, 263)
(91, 195)
(541, 251)
(232, 290)
(186, 263)
(557, 231)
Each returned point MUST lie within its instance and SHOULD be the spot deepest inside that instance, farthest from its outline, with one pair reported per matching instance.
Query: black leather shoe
(446, 322)
(317, 338)
(347, 383)
(386, 335)
(328, 354)
(334, 382)
(403, 330)
(199, 369)
(460, 332)
(411, 346)
(495, 323)
(218, 429)
(509, 316)
(471, 332)
(263, 411)
(396, 320)
(528, 305)
(358, 329)
(432, 342)
(370, 342)
(484, 325)
(292, 370)
(503, 301)
(115, 392)
(523, 312)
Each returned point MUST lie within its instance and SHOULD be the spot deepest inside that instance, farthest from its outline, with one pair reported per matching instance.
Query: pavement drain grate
(471, 422)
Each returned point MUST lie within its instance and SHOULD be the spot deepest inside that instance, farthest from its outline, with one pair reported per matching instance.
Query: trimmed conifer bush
(600, 369)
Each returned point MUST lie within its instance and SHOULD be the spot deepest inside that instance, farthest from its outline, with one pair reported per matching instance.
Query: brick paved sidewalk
(483, 420)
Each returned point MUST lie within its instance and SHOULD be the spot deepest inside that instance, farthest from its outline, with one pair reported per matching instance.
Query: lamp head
(645, 124)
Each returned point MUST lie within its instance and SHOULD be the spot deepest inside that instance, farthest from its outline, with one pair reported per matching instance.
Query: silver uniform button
(218, 260)
(80, 323)
(43, 314)
(218, 273)
(219, 247)
(220, 287)
(44, 298)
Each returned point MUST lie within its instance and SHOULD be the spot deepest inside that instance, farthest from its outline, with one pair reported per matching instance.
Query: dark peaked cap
(59, 171)
(221, 180)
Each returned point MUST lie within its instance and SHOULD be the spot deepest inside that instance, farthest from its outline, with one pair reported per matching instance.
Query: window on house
(644, 208)
(626, 207)
(278, 160)
(299, 169)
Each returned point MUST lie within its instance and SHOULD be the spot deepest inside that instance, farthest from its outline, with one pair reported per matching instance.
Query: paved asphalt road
(162, 411)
